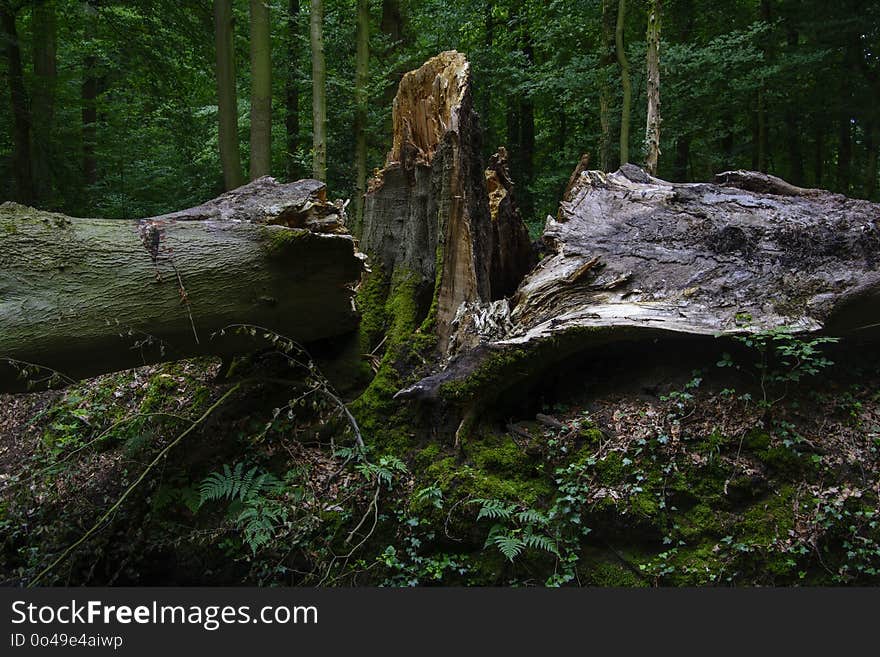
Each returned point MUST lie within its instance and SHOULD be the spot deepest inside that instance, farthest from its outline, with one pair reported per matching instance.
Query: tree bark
(89, 96)
(291, 120)
(361, 80)
(652, 129)
(429, 222)
(43, 95)
(227, 99)
(793, 128)
(261, 90)
(624, 81)
(319, 91)
(21, 117)
(86, 296)
(605, 61)
(527, 138)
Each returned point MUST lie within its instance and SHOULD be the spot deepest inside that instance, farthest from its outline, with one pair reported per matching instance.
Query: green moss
(278, 239)
(514, 363)
(500, 454)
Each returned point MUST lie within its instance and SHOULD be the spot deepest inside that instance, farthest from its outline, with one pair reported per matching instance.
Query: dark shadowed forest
(410, 292)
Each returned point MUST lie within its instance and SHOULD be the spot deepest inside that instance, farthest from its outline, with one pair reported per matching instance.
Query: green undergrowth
(705, 485)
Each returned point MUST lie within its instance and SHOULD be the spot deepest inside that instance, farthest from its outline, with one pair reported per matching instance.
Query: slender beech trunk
(261, 91)
(605, 61)
(89, 96)
(291, 119)
(227, 100)
(21, 119)
(361, 79)
(43, 95)
(625, 82)
(763, 138)
(319, 97)
(486, 96)
(792, 127)
(652, 128)
(527, 139)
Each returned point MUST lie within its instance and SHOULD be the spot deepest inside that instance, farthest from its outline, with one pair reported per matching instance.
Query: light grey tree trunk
(261, 90)
(625, 82)
(319, 97)
(652, 129)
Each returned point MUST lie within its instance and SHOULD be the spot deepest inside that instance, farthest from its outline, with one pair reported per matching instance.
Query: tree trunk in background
(291, 119)
(43, 95)
(527, 141)
(261, 90)
(625, 82)
(682, 156)
(227, 100)
(871, 165)
(818, 154)
(652, 128)
(792, 127)
(319, 98)
(763, 139)
(605, 60)
(486, 105)
(89, 95)
(361, 80)
(21, 129)
(844, 151)
(391, 22)
(71, 286)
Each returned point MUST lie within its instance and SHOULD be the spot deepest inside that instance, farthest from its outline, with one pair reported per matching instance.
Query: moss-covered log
(85, 296)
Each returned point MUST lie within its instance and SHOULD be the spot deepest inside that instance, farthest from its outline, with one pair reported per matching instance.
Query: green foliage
(782, 357)
(236, 483)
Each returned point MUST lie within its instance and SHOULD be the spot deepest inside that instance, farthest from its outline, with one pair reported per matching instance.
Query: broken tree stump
(427, 212)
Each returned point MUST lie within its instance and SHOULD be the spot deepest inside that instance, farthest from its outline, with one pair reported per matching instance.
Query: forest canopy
(112, 105)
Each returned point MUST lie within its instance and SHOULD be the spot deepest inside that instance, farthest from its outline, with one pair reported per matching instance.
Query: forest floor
(661, 469)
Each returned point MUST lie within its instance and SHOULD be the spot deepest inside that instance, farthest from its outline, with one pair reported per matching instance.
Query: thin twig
(134, 485)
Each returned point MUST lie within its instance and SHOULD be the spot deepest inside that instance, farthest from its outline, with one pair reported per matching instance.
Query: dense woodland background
(715, 421)
(114, 104)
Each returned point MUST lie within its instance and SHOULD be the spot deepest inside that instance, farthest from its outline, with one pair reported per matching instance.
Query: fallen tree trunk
(634, 256)
(87, 296)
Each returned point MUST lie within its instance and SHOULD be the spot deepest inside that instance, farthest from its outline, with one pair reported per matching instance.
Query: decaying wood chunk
(429, 205)
(86, 296)
(632, 254)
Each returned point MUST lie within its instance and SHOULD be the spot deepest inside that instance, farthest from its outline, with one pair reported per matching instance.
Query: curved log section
(634, 255)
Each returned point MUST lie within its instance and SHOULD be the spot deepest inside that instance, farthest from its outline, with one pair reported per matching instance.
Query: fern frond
(494, 509)
(509, 545)
(540, 542)
(532, 517)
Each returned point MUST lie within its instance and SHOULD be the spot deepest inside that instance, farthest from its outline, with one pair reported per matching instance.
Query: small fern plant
(250, 497)
(517, 529)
